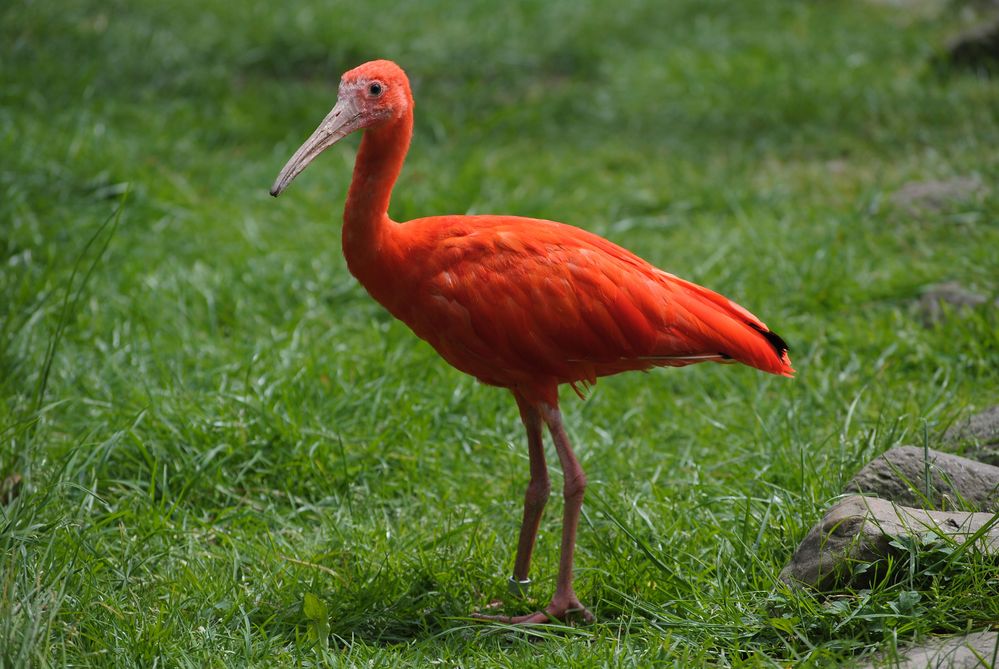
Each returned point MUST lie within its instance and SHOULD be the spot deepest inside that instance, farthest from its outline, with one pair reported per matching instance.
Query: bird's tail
(730, 331)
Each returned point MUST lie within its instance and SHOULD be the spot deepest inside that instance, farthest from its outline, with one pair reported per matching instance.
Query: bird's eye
(375, 89)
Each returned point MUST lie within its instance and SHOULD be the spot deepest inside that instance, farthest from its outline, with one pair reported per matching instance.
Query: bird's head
(370, 95)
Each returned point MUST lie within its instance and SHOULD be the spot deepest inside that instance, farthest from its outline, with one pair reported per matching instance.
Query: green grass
(213, 420)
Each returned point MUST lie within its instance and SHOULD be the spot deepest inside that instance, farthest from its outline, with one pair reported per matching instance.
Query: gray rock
(977, 649)
(858, 531)
(981, 431)
(982, 428)
(977, 48)
(940, 298)
(935, 195)
(909, 476)
(10, 488)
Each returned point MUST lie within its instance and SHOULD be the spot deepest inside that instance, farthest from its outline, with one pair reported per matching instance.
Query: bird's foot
(564, 609)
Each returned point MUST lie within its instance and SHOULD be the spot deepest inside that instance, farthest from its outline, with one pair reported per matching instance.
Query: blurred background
(203, 416)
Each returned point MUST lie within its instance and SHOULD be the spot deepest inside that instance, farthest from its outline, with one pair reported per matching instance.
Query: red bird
(519, 303)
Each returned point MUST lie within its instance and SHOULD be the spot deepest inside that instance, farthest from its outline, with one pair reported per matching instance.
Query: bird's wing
(507, 296)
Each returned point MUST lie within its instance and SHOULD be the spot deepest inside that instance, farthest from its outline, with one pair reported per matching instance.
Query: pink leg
(564, 602)
(537, 490)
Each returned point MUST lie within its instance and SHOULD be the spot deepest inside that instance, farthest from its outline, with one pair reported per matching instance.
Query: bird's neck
(368, 233)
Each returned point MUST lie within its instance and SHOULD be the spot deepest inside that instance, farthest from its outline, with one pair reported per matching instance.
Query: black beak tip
(275, 191)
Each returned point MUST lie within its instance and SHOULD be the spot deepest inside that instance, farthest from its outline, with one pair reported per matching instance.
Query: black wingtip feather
(774, 339)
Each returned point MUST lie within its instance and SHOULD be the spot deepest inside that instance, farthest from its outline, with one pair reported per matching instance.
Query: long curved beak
(342, 120)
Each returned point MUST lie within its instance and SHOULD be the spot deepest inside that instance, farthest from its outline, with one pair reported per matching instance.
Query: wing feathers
(515, 300)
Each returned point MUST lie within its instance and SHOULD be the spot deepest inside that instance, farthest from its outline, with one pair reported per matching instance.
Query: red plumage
(528, 304)
(520, 303)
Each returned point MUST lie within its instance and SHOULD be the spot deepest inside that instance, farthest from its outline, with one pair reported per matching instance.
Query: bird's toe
(557, 611)
(536, 618)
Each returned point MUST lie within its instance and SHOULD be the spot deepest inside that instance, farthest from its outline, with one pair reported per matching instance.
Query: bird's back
(529, 304)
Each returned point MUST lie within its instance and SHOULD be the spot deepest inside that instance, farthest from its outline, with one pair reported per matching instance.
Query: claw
(554, 612)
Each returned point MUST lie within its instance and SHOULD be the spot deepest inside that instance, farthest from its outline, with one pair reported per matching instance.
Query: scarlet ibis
(519, 303)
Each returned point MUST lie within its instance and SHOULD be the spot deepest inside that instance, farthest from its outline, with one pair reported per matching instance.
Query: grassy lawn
(214, 423)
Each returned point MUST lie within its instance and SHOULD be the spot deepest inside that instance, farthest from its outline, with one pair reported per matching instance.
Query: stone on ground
(10, 488)
(981, 431)
(933, 196)
(977, 48)
(940, 299)
(910, 476)
(977, 649)
(847, 545)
